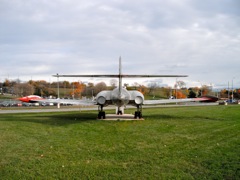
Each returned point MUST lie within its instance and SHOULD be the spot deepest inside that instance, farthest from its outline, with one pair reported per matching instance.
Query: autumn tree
(89, 90)
(23, 89)
(204, 90)
(167, 91)
(8, 86)
(135, 85)
(39, 87)
(66, 84)
(224, 93)
(62, 84)
(142, 89)
(191, 93)
(179, 94)
(7, 83)
(152, 86)
(42, 88)
(237, 93)
(78, 89)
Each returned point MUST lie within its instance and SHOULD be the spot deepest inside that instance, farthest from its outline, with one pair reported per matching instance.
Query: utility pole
(232, 89)
(58, 105)
(228, 90)
(176, 88)
(58, 85)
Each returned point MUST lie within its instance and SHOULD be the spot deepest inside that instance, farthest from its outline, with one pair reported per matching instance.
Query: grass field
(171, 143)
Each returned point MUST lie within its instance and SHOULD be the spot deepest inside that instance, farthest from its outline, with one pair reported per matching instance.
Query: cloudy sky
(39, 38)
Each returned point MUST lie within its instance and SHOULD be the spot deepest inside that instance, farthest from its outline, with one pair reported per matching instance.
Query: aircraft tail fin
(120, 75)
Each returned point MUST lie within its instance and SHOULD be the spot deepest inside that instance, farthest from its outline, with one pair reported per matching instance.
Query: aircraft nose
(22, 99)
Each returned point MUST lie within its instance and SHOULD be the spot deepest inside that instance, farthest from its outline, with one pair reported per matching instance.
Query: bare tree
(23, 89)
(152, 86)
(180, 84)
(113, 83)
(135, 85)
(100, 87)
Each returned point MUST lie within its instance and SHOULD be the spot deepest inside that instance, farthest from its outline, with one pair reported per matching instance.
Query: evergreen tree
(192, 94)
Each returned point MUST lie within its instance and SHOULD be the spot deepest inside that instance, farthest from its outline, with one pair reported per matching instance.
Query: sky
(201, 39)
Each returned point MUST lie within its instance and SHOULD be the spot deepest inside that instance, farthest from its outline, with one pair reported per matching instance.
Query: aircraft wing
(69, 101)
(121, 76)
(168, 101)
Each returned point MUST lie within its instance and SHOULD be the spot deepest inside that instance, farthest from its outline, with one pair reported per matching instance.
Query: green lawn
(171, 143)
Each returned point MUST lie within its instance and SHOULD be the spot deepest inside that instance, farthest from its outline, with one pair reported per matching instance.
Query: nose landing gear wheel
(119, 113)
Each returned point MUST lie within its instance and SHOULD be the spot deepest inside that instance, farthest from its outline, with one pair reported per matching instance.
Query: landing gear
(119, 111)
(138, 113)
(101, 113)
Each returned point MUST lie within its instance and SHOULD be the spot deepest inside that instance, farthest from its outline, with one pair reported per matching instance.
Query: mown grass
(171, 143)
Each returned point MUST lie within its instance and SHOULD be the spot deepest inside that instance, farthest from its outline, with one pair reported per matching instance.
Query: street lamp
(201, 88)
(232, 88)
(176, 88)
(228, 90)
(58, 85)
(58, 104)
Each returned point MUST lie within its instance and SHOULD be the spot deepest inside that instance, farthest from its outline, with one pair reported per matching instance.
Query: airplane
(31, 99)
(36, 98)
(120, 96)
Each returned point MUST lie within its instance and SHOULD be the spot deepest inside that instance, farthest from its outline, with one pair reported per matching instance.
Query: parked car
(231, 101)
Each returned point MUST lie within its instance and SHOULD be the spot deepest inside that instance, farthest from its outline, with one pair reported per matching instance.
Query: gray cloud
(41, 38)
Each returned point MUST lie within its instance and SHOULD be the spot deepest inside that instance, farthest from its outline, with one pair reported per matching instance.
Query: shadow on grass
(56, 119)
(183, 117)
(163, 117)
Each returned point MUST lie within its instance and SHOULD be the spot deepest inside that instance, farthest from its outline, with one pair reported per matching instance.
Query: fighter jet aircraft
(120, 96)
(30, 99)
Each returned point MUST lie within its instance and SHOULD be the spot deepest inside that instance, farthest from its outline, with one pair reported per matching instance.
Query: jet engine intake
(101, 100)
(138, 100)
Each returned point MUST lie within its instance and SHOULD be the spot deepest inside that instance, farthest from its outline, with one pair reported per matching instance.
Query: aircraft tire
(137, 115)
(101, 115)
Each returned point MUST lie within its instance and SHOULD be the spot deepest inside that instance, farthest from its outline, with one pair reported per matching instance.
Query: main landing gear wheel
(101, 113)
(138, 113)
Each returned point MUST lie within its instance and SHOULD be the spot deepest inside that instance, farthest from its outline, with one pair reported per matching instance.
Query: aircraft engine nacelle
(101, 100)
(139, 100)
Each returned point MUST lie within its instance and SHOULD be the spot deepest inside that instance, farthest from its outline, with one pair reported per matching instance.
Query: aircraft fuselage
(119, 97)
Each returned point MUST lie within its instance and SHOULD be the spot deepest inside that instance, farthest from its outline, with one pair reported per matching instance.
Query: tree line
(78, 89)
